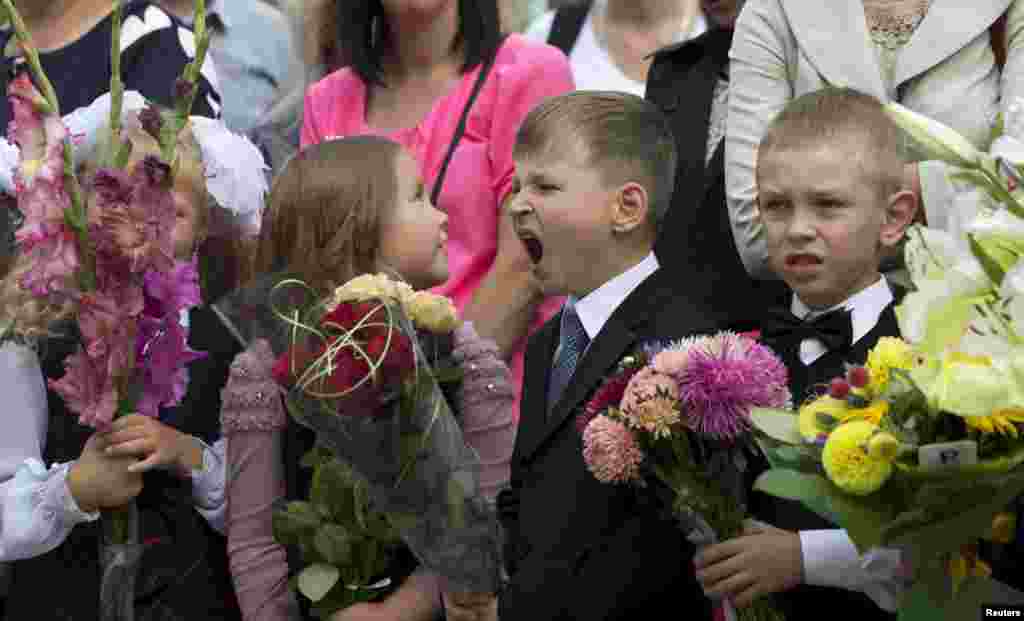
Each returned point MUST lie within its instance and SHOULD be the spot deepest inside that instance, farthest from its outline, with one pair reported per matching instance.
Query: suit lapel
(619, 334)
(537, 365)
(834, 37)
(948, 26)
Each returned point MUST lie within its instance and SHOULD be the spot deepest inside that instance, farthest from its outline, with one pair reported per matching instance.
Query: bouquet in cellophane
(364, 369)
(922, 448)
(104, 253)
(678, 414)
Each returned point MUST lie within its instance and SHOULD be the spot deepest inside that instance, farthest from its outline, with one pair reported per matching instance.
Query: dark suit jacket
(579, 549)
(696, 243)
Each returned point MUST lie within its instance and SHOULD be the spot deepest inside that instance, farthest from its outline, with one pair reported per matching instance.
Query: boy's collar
(865, 307)
(595, 308)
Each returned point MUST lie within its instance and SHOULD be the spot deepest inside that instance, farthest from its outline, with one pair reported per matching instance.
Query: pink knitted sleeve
(252, 419)
(485, 405)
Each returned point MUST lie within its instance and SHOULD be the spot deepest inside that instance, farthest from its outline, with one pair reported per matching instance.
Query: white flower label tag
(962, 453)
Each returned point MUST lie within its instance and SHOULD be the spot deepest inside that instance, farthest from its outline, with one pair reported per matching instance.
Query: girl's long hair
(323, 221)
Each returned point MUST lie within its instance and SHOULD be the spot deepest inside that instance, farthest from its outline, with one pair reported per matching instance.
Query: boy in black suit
(594, 174)
(831, 200)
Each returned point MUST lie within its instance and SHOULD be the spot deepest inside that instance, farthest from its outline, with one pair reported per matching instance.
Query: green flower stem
(183, 106)
(117, 152)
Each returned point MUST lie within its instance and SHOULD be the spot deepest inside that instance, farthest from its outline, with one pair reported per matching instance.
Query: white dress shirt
(595, 308)
(829, 556)
(865, 308)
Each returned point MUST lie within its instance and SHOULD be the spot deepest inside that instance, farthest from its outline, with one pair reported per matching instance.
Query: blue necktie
(572, 342)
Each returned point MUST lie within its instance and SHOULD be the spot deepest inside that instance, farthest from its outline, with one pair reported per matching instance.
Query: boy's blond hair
(841, 117)
(623, 136)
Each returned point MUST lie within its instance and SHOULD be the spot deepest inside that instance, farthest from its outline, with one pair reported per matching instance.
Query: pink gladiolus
(53, 261)
(108, 326)
(40, 189)
(164, 372)
(167, 293)
(88, 390)
(135, 215)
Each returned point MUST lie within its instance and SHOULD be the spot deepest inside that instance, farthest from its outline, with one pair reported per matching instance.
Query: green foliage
(346, 542)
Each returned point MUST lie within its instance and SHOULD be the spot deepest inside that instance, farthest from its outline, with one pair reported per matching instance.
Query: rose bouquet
(364, 369)
(920, 449)
(680, 415)
(110, 260)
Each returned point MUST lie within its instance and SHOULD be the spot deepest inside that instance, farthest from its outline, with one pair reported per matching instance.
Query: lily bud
(938, 141)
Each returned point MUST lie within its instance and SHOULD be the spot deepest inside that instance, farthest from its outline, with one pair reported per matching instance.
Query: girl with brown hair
(341, 209)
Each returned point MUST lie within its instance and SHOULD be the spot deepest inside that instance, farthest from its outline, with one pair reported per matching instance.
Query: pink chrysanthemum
(608, 395)
(611, 451)
(651, 403)
(727, 375)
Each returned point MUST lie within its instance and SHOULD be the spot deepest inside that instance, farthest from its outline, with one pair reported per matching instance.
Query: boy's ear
(629, 208)
(899, 214)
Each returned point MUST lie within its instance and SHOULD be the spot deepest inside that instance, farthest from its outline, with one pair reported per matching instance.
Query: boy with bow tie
(832, 204)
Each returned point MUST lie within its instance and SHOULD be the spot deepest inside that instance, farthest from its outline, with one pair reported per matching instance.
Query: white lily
(936, 140)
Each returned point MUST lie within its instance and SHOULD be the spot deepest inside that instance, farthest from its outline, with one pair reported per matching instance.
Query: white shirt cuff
(832, 560)
(209, 483)
(829, 556)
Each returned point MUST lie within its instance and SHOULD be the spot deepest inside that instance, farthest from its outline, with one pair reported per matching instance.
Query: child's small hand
(155, 442)
(762, 561)
(100, 481)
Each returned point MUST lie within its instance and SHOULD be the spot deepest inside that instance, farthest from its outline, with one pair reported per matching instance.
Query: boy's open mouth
(533, 246)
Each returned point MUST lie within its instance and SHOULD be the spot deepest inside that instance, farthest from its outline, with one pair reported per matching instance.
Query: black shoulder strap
(568, 23)
(460, 129)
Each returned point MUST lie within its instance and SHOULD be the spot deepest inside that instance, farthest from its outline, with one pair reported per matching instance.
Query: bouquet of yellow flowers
(922, 448)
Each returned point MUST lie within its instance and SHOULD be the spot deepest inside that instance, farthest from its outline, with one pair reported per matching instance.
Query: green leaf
(456, 504)
(780, 425)
(403, 522)
(317, 579)
(369, 555)
(331, 490)
(314, 457)
(862, 516)
(334, 544)
(296, 519)
(928, 598)
(993, 269)
(800, 458)
(949, 514)
(411, 446)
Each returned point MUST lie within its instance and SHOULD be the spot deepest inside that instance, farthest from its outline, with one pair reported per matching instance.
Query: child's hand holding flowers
(762, 561)
(156, 443)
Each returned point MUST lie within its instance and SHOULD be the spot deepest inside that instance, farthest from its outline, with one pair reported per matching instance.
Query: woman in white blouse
(934, 56)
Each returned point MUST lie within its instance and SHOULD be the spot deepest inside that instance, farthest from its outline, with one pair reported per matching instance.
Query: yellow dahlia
(889, 353)
(849, 464)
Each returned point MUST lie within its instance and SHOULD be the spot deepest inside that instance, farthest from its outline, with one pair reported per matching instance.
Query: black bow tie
(834, 329)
